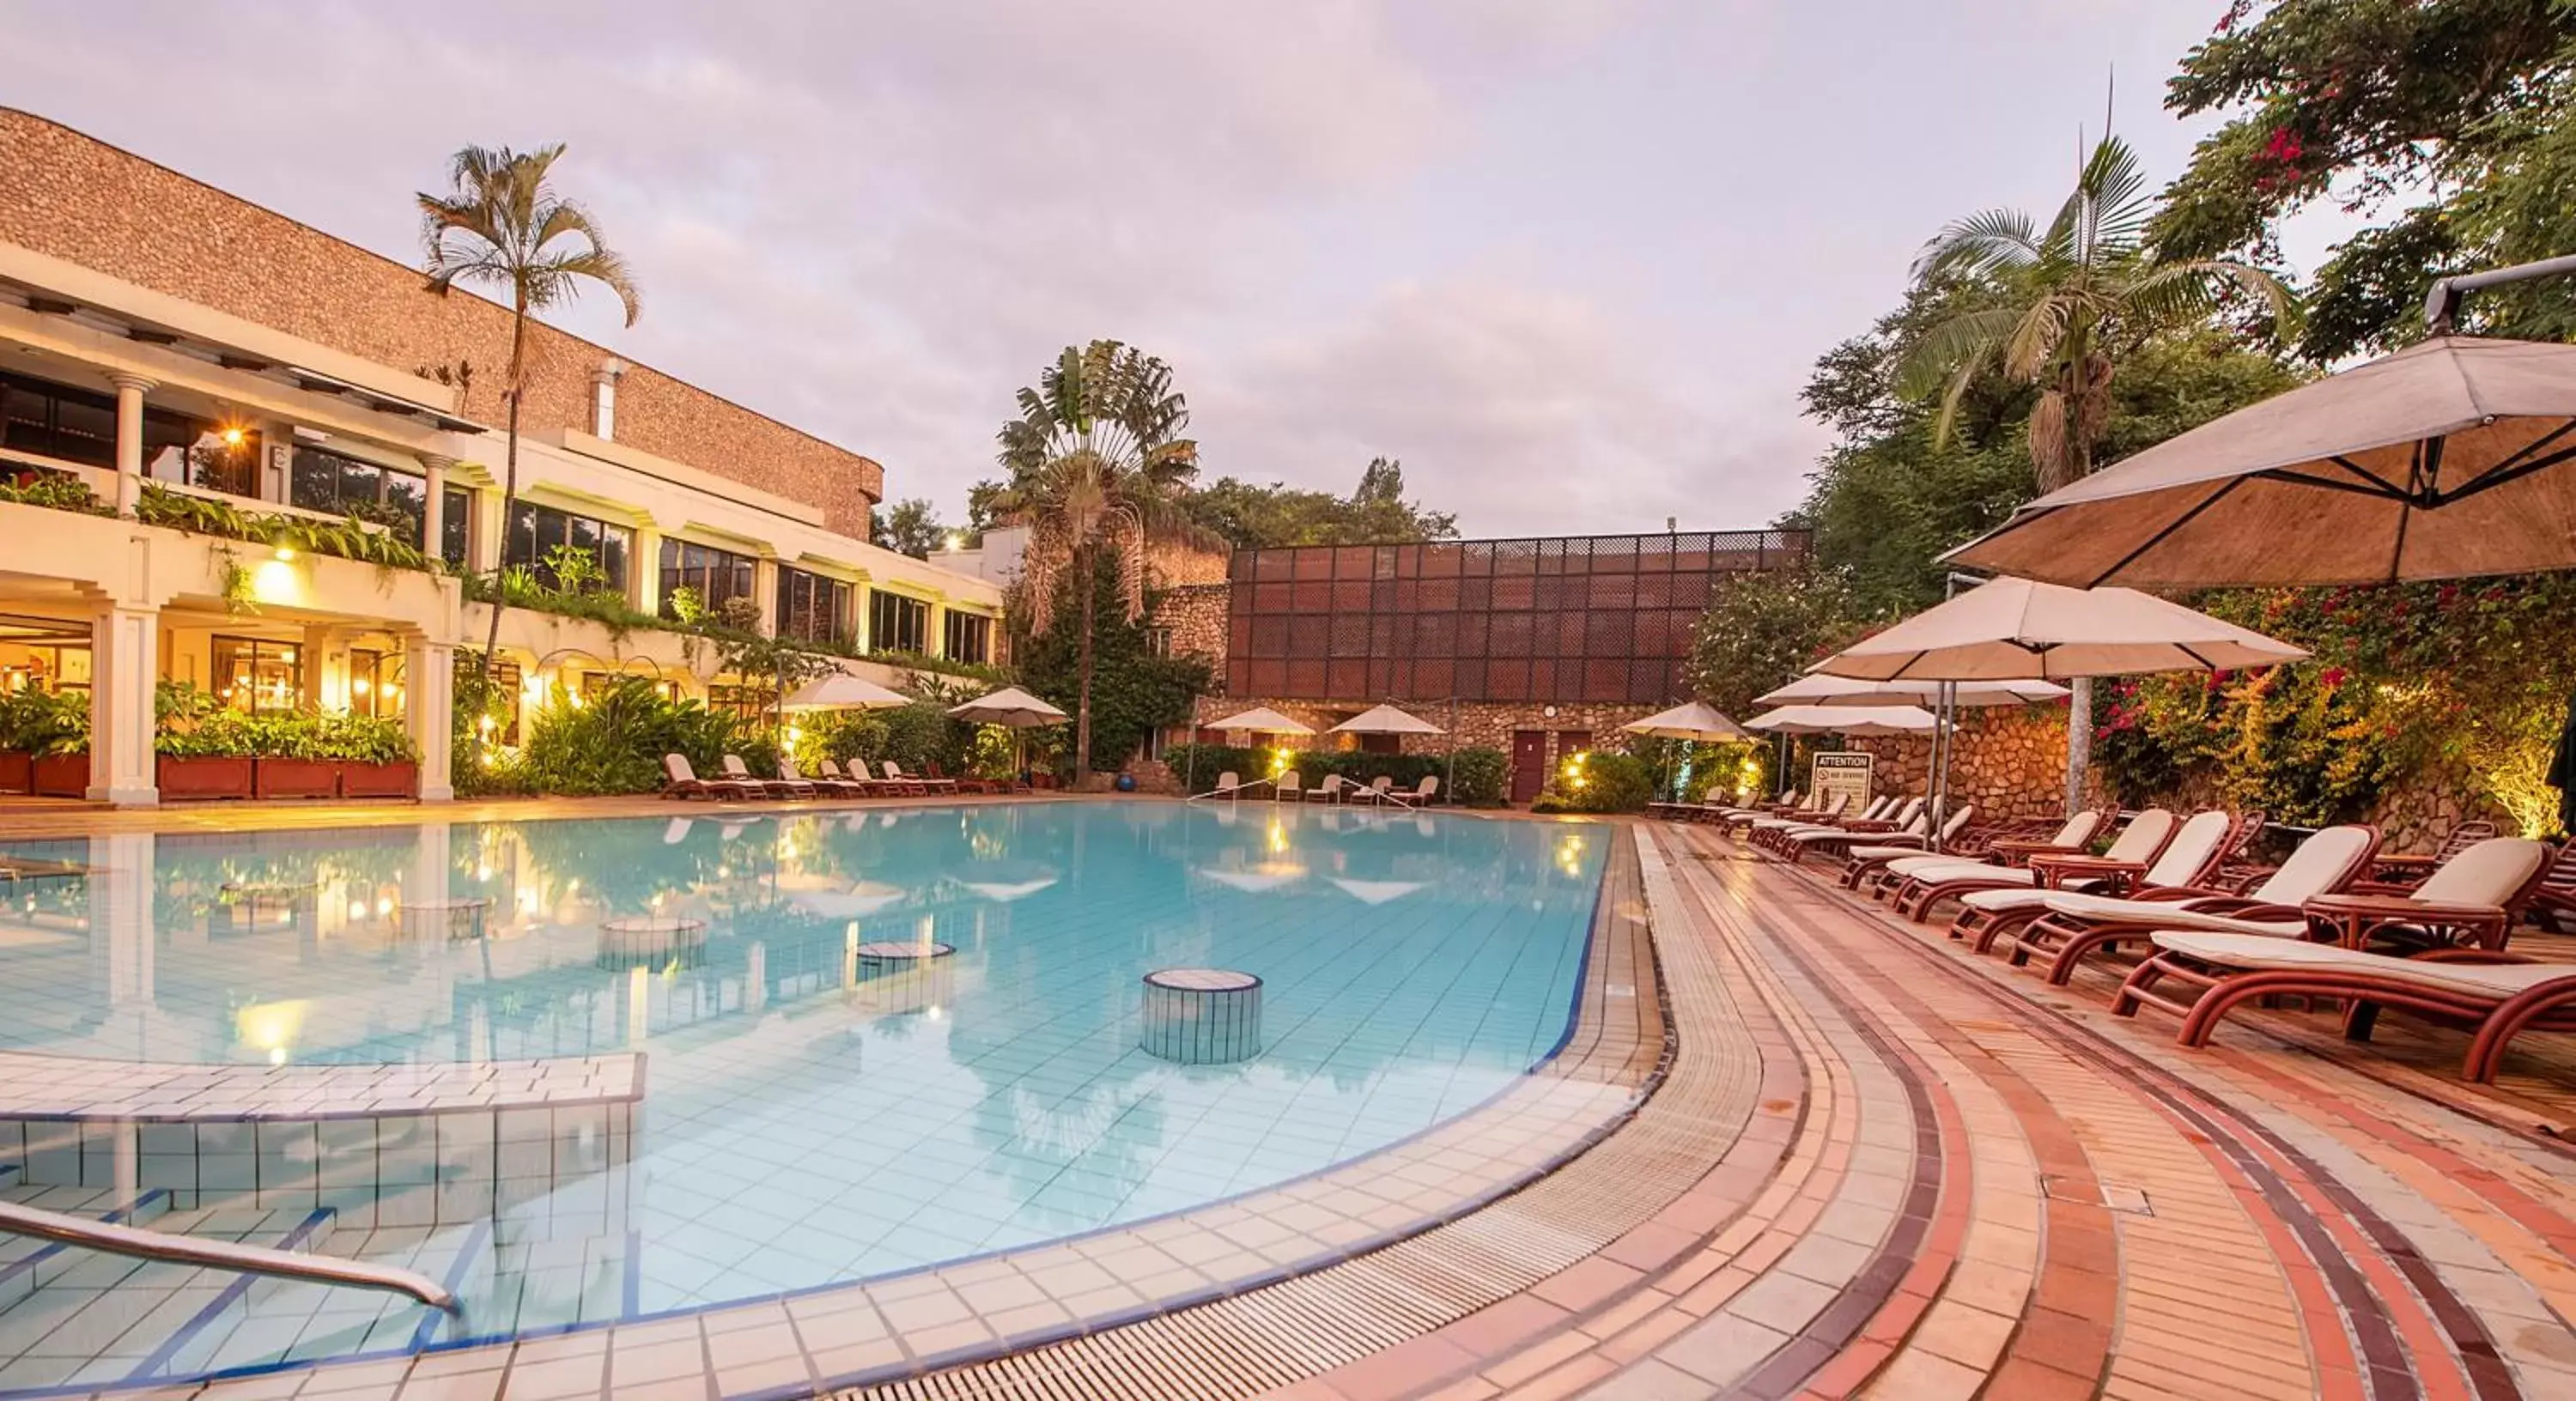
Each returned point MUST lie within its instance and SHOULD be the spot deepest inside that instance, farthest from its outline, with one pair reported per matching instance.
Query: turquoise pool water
(804, 1123)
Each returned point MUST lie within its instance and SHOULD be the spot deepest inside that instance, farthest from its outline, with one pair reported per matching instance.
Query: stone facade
(85, 202)
(1194, 615)
(2009, 760)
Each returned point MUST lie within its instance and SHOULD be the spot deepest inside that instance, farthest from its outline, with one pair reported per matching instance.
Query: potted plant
(17, 757)
(292, 763)
(376, 757)
(52, 729)
(202, 748)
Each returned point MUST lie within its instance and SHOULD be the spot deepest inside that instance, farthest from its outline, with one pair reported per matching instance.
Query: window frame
(619, 570)
(962, 625)
(680, 569)
(879, 601)
(798, 590)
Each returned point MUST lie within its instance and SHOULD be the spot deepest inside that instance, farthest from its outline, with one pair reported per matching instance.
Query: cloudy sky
(1568, 260)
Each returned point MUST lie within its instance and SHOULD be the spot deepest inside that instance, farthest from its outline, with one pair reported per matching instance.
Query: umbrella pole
(1945, 737)
(1449, 780)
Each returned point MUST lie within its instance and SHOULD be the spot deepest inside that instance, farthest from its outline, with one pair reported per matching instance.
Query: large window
(340, 485)
(536, 532)
(812, 608)
(375, 683)
(897, 623)
(76, 425)
(455, 521)
(257, 675)
(969, 637)
(714, 575)
(506, 686)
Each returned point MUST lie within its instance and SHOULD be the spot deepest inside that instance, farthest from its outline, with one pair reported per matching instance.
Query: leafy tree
(1762, 629)
(502, 224)
(1133, 691)
(1097, 465)
(908, 527)
(1257, 517)
(2370, 101)
(2075, 295)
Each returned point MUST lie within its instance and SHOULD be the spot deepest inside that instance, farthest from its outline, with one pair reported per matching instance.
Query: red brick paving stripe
(2372, 1316)
(2078, 1239)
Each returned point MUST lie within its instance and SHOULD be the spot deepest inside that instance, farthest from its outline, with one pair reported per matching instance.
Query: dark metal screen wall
(1573, 618)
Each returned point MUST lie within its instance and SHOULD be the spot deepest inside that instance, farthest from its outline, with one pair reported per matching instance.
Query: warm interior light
(284, 554)
(361, 686)
(232, 437)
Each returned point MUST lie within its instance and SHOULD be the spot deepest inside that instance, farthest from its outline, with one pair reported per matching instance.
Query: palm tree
(2072, 296)
(503, 225)
(1097, 469)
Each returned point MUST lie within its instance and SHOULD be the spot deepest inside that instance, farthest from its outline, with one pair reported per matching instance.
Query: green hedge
(1199, 764)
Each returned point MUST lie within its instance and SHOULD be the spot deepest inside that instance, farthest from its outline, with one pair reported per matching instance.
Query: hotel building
(159, 336)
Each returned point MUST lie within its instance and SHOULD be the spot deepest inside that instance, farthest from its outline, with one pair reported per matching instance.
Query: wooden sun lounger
(2497, 996)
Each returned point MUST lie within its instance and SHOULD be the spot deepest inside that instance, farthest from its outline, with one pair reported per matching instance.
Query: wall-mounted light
(285, 555)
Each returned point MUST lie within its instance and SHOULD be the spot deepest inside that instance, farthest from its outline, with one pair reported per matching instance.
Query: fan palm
(501, 224)
(1098, 466)
(2073, 295)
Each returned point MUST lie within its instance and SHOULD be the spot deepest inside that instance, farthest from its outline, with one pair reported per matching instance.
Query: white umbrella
(1377, 892)
(1818, 689)
(1694, 721)
(1262, 720)
(1383, 720)
(1011, 707)
(2018, 630)
(2449, 458)
(1007, 891)
(842, 691)
(1844, 719)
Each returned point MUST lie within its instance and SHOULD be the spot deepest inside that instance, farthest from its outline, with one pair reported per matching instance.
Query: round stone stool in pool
(453, 919)
(1201, 1016)
(650, 941)
(892, 979)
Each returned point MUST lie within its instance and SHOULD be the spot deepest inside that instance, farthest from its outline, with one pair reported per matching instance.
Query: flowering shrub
(2410, 682)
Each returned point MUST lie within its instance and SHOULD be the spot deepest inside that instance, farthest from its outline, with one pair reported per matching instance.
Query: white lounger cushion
(2494, 981)
(1996, 902)
(1934, 869)
(2104, 907)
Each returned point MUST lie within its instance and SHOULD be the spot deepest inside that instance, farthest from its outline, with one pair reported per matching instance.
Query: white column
(130, 390)
(644, 570)
(124, 651)
(433, 521)
(429, 708)
(764, 591)
(934, 642)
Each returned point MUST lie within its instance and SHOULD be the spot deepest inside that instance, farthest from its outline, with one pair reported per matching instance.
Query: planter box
(400, 780)
(17, 771)
(203, 777)
(296, 778)
(62, 776)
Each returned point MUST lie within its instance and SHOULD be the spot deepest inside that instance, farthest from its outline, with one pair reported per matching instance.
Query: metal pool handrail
(218, 1254)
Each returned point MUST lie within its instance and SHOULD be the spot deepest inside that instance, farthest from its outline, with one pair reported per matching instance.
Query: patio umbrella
(1844, 719)
(1694, 721)
(2447, 459)
(1817, 689)
(1011, 707)
(842, 691)
(2019, 630)
(1383, 720)
(1262, 720)
(1014, 709)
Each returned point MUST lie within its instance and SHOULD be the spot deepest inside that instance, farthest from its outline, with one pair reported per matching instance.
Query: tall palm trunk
(1090, 584)
(509, 491)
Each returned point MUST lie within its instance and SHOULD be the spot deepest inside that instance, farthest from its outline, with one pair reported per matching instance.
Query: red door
(1529, 764)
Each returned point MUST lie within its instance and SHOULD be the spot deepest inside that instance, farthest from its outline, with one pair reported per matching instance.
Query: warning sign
(1844, 774)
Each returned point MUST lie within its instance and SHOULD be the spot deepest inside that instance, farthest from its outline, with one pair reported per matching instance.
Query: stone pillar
(934, 637)
(764, 591)
(326, 668)
(483, 542)
(125, 650)
(130, 390)
(429, 706)
(433, 520)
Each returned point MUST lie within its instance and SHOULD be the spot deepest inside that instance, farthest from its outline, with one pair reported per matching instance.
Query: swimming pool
(807, 1116)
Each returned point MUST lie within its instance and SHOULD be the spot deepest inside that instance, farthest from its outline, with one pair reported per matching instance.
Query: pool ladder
(220, 1255)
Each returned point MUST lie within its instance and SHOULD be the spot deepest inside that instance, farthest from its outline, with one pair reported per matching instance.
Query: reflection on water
(814, 1113)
